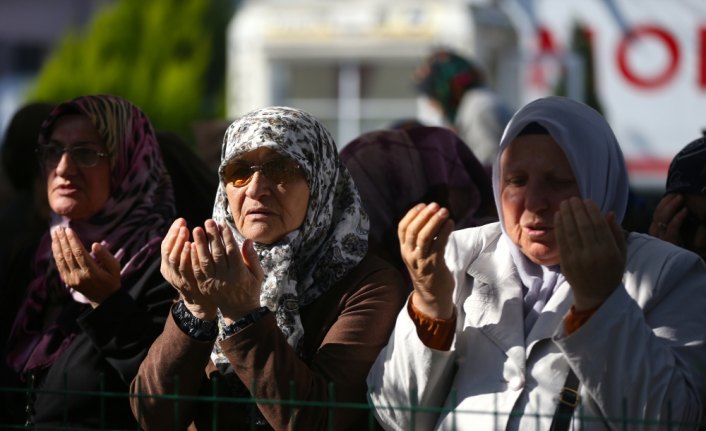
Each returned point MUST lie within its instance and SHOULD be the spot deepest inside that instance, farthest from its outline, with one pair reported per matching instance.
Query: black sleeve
(124, 326)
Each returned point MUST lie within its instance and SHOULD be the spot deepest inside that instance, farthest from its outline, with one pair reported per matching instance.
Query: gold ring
(662, 225)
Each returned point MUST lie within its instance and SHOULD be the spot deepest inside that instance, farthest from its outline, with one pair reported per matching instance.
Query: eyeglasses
(280, 171)
(84, 157)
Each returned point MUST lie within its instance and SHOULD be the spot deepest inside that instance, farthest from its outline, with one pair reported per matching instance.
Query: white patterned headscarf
(597, 163)
(334, 235)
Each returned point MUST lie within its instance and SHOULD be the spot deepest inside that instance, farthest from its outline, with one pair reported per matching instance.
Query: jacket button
(515, 383)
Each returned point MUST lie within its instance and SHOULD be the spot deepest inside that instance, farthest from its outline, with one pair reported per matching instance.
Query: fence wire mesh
(221, 403)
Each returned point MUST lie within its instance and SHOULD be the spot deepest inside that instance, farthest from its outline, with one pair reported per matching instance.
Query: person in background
(279, 299)
(456, 87)
(97, 300)
(192, 180)
(680, 216)
(396, 169)
(23, 220)
(553, 301)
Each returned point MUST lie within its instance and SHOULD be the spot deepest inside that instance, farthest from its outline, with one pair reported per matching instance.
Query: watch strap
(244, 321)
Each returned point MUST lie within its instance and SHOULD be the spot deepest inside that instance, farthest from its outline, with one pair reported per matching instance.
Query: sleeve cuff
(434, 333)
(201, 330)
(575, 319)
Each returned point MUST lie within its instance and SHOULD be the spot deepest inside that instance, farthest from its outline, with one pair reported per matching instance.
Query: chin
(544, 257)
(260, 237)
(71, 213)
(65, 212)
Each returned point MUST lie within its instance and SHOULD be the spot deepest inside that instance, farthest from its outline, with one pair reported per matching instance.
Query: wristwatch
(244, 321)
(201, 330)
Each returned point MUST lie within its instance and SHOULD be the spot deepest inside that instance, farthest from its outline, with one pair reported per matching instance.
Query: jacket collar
(496, 305)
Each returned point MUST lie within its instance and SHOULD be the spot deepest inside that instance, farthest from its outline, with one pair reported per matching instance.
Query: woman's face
(74, 190)
(535, 177)
(266, 209)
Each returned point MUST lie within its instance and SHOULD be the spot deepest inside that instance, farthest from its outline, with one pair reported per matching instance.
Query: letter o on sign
(663, 37)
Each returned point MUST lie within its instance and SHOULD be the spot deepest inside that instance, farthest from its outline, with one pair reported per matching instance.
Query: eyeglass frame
(296, 171)
(40, 153)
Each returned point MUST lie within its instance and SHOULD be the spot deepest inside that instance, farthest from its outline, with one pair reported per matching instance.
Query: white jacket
(639, 355)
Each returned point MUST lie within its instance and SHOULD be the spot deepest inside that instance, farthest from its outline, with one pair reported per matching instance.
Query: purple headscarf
(397, 169)
(130, 225)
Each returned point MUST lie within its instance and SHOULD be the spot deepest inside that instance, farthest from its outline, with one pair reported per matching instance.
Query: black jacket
(104, 356)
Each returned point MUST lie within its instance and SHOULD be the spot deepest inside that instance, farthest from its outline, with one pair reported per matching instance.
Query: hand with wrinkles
(592, 251)
(227, 275)
(176, 269)
(423, 233)
(97, 278)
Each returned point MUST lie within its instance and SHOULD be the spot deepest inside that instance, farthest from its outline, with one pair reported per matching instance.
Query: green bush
(166, 56)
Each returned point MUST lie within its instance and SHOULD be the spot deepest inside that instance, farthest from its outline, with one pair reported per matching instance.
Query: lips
(258, 211)
(66, 188)
(537, 230)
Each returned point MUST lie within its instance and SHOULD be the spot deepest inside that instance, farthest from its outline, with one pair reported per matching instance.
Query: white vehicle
(351, 62)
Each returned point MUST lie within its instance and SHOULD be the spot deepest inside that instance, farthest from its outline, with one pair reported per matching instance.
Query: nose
(258, 186)
(536, 198)
(66, 164)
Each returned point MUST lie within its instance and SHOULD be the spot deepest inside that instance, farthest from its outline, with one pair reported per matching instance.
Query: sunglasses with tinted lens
(280, 171)
(84, 157)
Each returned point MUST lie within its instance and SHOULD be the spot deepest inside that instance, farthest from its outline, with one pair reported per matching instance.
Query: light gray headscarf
(598, 165)
(334, 236)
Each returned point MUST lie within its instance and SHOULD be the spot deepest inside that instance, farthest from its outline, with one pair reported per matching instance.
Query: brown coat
(344, 330)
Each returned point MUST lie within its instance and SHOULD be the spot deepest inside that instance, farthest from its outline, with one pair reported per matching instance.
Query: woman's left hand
(592, 251)
(230, 277)
(95, 279)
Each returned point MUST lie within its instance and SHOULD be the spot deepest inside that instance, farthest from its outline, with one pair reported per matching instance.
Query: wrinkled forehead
(579, 132)
(79, 127)
(290, 132)
(534, 149)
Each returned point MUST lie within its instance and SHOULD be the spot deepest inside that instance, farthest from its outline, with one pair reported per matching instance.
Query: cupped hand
(176, 269)
(668, 217)
(592, 251)
(227, 275)
(96, 279)
(423, 233)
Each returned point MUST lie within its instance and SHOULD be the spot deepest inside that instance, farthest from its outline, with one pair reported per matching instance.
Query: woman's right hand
(668, 217)
(177, 270)
(423, 233)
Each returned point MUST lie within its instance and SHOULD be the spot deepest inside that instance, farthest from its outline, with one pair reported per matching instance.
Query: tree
(165, 56)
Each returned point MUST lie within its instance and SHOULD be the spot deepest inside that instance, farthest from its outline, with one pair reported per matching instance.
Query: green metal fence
(220, 403)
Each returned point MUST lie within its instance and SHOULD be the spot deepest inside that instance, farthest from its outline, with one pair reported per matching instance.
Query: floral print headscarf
(334, 235)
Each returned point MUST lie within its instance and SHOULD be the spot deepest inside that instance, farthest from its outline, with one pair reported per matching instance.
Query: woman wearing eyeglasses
(98, 299)
(280, 300)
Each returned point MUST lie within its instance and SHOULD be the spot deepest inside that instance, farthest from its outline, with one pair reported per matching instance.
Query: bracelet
(244, 321)
(201, 330)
